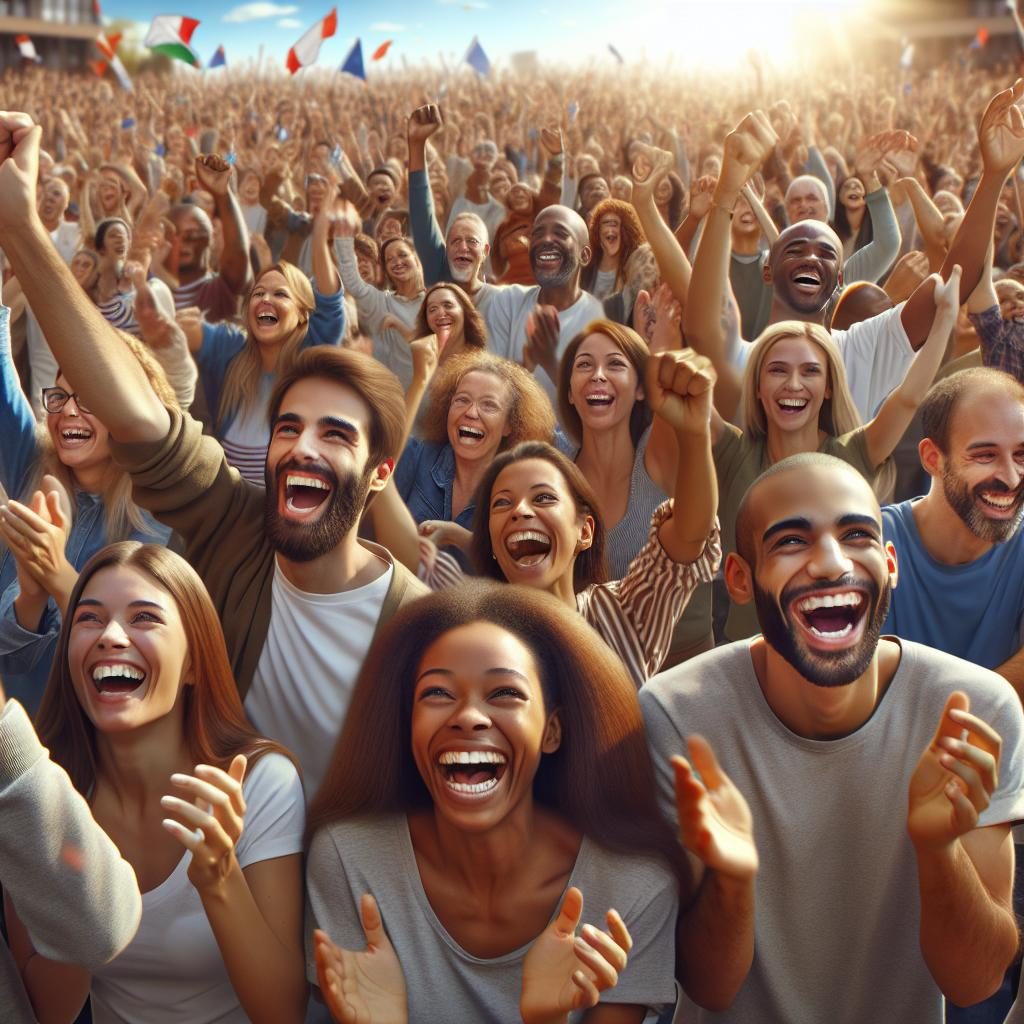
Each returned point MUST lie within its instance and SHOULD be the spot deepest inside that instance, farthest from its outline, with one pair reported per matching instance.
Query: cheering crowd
(500, 549)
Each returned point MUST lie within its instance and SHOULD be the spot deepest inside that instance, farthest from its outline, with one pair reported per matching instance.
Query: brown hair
(376, 385)
(631, 237)
(590, 565)
(633, 347)
(530, 416)
(939, 405)
(215, 725)
(600, 780)
(474, 330)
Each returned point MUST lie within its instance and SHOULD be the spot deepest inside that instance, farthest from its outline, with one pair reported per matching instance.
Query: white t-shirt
(509, 311)
(66, 236)
(173, 972)
(876, 353)
(314, 650)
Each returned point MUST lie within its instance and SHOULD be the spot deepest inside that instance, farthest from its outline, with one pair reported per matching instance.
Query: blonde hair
(122, 516)
(838, 414)
(242, 380)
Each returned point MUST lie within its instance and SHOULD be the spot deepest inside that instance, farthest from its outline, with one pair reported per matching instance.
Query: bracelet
(724, 209)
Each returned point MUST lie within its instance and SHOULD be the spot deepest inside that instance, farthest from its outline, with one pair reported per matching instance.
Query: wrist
(725, 198)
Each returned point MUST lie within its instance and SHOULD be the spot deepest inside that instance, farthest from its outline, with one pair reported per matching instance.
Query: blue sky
(572, 30)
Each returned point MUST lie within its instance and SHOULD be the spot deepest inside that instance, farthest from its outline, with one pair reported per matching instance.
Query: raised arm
(214, 175)
(890, 423)
(929, 221)
(325, 270)
(92, 357)
(426, 233)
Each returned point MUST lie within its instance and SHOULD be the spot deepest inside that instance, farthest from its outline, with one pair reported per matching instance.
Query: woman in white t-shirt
(141, 704)
(508, 798)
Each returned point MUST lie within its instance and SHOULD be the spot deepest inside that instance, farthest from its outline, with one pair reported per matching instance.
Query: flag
(107, 45)
(218, 60)
(353, 64)
(381, 52)
(99, 67)
(476, 58)
(615, 53)
(170, 34)
(980, 39)
(27, 49)
(907, 58)
(307, 49)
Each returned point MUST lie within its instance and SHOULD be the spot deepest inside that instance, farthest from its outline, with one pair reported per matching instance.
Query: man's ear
(382, 475)
(891, 564)
(931, 457)
(586, 255)
(552, 739)
(739, 579)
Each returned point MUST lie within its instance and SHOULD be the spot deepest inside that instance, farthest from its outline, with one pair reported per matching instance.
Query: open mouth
(831, 619)
(75, 437)
(807, 281)
(792, 406)
(599, 400)
(470, 435)
(528, 547)
(472, 772)
(114, 681)
(548, 258)
(266, 317)
(304, 494)
(1000, 504)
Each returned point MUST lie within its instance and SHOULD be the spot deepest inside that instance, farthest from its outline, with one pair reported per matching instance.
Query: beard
(968, 504)
(461, 275)
(822, 668)
(553, 279)
(304, 542)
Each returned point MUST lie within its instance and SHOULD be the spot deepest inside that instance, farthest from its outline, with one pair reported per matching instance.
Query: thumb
(373, 924)
(56, 509)
(238, 766)
(570, 912)
(37, 502)
(704, 760)
(957, 700)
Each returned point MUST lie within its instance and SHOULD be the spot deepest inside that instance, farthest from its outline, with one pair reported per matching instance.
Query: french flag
(27, 48)
(307, 49)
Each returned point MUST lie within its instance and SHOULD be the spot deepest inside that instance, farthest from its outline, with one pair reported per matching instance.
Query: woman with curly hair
(615, 234)
(448, 313)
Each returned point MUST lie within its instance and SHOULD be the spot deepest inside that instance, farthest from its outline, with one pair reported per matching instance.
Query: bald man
(533, 325)
(879, 776)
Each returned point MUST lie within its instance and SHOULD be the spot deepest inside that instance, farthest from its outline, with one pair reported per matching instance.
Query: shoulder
(670, 695)
(345, 841)
(627, 881)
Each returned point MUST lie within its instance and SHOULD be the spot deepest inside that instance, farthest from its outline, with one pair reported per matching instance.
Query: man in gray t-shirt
(881, 776)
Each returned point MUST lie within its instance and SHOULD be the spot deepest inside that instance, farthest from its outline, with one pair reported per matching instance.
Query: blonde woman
(795, 398)
(284, 313)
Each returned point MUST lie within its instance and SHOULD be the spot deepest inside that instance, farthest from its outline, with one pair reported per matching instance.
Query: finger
(965, 814)
(189, 838)
(237, 768)
(224, 782)
(980, 733)
(705, 762)
(373, 923)
(609, 949)
(197, 789)
(619, 931)
(19, 544)
(948, 726)
(602, 972)
(55, 508)
(587, 994)
(569, 912)
(973, 776)
(984, 761)
(24, 519)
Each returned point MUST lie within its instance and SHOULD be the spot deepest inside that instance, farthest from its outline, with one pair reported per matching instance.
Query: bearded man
(879, 776)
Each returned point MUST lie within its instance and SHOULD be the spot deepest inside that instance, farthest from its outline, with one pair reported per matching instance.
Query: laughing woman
(284, 313)
(46, 544)
(509, 797)
(448, 313)
(141, 704)
(615, 234)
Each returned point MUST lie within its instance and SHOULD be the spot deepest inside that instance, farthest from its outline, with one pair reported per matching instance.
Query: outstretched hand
(680, 386)
(714, 819)
(947, 298)
(366, 987)
(1001, 130)
(746, 147)
(564, 971)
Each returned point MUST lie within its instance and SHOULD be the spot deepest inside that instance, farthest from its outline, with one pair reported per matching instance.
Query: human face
(744, 222)
(983, 475)
(84, 269)
(851, 195)
(80, 440)
(109, 189)
(535, 527)
(194, 240)
(479, 726)
(484, 156)
(116, 241)
(594, 190)
(249, 189)
(1011, 299)
(444, 314)
(663, 191)
(793, 383)
(603, 385)
(622, 188)
(610, 232)
(382, 189)
(519, 199)
(389, 227)
(317, 472)
(402, 265)
(804, 266)
(822, 576)
(127, 650)
(806, 200)
(53, 201)
(316, 190)
(499, 185)
(369, 269)
(466, 251)
(273, 313)
(478, 416)
(556, 250)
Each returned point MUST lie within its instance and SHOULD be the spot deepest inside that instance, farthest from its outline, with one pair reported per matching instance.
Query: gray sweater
(77, 898)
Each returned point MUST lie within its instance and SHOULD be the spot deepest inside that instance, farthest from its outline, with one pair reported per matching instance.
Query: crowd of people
(488, 549)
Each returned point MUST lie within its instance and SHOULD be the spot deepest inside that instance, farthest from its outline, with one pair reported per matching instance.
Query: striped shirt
(1002, 342)
(634, 615)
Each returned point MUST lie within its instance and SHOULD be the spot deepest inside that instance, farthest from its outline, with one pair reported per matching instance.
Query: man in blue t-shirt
(960, 549)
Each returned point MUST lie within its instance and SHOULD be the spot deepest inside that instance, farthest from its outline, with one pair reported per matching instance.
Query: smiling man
(299, 595)
(881, 776)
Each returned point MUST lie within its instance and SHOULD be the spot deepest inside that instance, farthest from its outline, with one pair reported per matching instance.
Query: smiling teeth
(471, 432)
(525, 535)
(837, 635)
(850, 599)
(471, 787)
(75, 435)
(472, 757)
(793, 403)
(117, 672)
(306, 481)
(1003, 501)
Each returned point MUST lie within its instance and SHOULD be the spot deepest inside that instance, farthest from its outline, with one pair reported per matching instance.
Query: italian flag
(170, 34)
(307, 49)
(27, 48)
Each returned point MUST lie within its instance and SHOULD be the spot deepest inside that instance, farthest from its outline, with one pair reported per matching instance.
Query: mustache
(849, 582)
(320, 468)
(998, 486)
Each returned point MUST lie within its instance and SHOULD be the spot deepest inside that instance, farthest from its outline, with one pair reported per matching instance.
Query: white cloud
(258, 10)
(289, 23)
(386, 26)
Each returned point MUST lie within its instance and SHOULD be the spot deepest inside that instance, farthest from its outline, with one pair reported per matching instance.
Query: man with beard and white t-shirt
(880, 777)
(298, 594)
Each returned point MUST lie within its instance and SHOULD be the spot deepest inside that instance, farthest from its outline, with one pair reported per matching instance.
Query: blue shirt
(973, 611)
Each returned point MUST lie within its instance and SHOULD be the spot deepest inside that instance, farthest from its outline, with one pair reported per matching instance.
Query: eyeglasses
(54, 400)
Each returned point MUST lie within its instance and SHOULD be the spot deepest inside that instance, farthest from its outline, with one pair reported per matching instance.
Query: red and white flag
(107, 45)
(27, 48)
(307, 49)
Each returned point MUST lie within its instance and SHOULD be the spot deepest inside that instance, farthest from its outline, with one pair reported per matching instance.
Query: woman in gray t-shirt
(492, 776)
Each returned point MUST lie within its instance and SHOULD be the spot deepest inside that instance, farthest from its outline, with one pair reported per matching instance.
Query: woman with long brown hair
(141, 704)
(615, 234)
(508, 796)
